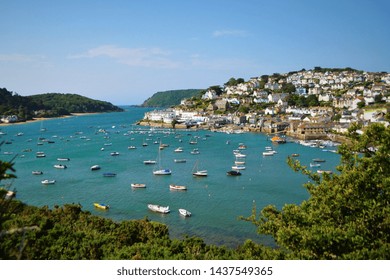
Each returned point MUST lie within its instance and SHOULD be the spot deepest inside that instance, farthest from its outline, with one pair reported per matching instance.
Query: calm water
(215, 201)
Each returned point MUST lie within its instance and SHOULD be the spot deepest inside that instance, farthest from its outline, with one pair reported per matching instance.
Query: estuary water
(216, 201)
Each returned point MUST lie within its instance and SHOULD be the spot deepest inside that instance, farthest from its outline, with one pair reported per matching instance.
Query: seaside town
(306, 104)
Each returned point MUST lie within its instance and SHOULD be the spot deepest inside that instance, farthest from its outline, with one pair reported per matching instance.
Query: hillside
(170, 98)
(49, 105)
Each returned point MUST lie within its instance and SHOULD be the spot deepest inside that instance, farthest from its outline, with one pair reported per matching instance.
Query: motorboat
(180, 160)
(238, 167)
(60, 166)
(63, 159)
(138, 185)
(101, 206)
(177, 187)
(162, 172)
(95, 167)
(184, 212)
(200, 173)
(109, 174)
(315, 165)
(233, 173)
(48, 182)
(37, 172)
(159, 208)
(149, 161)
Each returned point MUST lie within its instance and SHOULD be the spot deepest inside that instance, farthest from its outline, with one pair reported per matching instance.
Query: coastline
(45, 119)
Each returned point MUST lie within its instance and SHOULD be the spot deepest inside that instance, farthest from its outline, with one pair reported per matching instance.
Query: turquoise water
(216, 201)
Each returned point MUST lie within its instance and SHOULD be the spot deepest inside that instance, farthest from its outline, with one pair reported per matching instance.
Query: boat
(238, 167)
(268, 153)
(63, 159)
(10, 194)
(114, 154)
(158, 208)
(177, 187)
(315, 164)
(179, 150)
(185, 212)
(95, 167)
(138, 186)
(318, 160)
(109, 174)
(239, 162)
(233, 173)
(101, 206)
(324, 171)
(60, 166)
(195, 151)
(278, 139)
(180, 160)
(239, 155)
(295, 155)
(160, 170)
(241, 146)
(40, 155)
(48, 182)
(198, 173)
(37, 172)
(149, 161)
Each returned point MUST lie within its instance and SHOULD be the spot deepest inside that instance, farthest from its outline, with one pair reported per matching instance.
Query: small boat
(10, 194)
(149, 161)
(318, 160)
(195, 151)
(63, 159)
(278, 139)
(179, 150)
(200, 173)
(37, 172)
(233, 173)
(109, 174)
(185, 212)
(324, 171)
(239, 155)
(180, 160)
(315, 165)
(48, 182)
(238, 167)
(162, 172)
(132, 147)
(114, 154)
(242, 147)
(101, 206)
(158, 208)
(177, 187)
(40, 155)
(295, 155)
(239, 162)
(60, 166)
(95, 167)
(268, 153)
(138, 186)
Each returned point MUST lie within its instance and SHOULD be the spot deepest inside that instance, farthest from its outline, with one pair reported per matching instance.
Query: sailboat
(160, 170)
(197, 172)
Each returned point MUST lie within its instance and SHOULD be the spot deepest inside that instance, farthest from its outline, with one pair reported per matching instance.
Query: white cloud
(230, 33)
(21, 58)
(144, 57)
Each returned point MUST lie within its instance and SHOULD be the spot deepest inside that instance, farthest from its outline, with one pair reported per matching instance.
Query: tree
(347, 215)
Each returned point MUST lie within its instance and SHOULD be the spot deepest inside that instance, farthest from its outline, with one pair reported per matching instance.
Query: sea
(216, 202)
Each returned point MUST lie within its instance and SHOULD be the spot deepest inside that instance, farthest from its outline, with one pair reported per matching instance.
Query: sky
(124, 51)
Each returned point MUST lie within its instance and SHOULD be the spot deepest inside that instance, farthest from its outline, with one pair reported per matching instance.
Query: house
(210, 94)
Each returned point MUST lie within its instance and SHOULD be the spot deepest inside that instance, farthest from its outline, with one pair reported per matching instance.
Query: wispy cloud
(230, 33)
(144, 57)
(21, 58)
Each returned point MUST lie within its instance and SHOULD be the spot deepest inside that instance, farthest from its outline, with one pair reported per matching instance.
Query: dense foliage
(348, 214)
(170, 98)
(50, 105)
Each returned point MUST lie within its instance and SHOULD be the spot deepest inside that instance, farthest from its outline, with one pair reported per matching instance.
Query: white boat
(48, 182)
(149, 161)
(160, 170)
(239, 155)
(315, 165)
(238, 167)
(63, 159)
(158, 208)
(177, 187)
(324, 171)
(60, 166)
(268, 153)
(95, 167)
(179, 150)
(114, 154)
(37, 172)
(195, 151)
(132, 147)
(184, 212)
(138, 186)
(180, 160)
(197, 172)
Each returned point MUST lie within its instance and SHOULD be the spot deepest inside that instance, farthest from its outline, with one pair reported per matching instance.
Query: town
(306, 104)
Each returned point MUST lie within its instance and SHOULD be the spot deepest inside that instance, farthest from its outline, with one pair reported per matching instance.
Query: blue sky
(123, 51)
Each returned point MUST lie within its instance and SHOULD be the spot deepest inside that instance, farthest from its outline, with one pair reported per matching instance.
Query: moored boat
(63, 159)
(159, 208)
(238, 167)
(60, 166)
(48, 182)
(315, 164)
(101, 206)
(95, 167)
(37, 172)
(233, 173)
(318, 160)
(162, 172)
(278, 139)
(177, 187)
(138, 185)
(180, 160)
(149, 161)
(324, 171)
(109, 174)
(185, 212)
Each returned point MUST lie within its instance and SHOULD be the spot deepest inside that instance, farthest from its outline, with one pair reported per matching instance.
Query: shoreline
(45, 119)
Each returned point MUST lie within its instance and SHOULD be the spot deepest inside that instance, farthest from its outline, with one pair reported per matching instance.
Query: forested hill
(170, 97)
(49, 105)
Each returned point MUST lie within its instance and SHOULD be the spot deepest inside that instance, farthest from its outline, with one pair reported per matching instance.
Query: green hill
(170, 98)
(50, 105)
